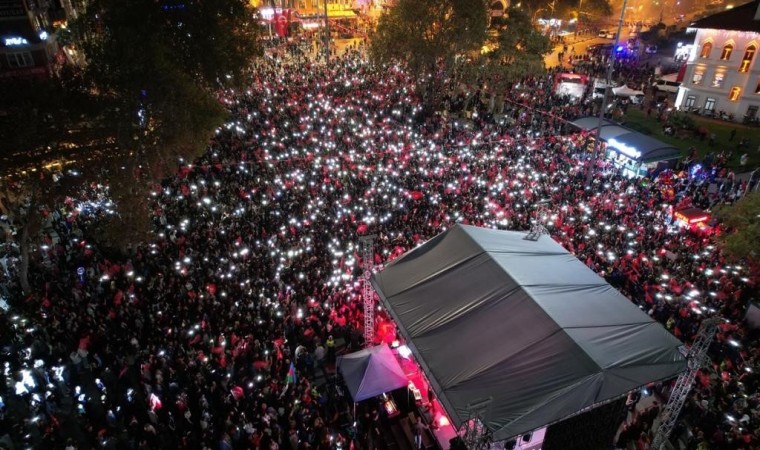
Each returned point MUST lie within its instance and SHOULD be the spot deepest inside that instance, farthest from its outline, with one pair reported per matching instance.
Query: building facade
(722, 74)
(28, 46)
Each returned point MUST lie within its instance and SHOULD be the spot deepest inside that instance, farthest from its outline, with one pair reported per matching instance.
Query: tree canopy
(586, 9)
(159, 66)
(743, 222)
(162, 61)
(516, 49)
(423, 33)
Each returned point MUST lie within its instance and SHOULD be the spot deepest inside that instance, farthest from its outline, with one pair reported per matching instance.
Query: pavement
(580, 43)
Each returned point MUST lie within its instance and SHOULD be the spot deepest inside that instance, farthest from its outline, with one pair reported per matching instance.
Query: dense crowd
(188, 341)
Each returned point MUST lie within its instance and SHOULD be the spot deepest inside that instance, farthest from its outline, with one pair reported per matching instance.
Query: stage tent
(371, 372)
(520, 331)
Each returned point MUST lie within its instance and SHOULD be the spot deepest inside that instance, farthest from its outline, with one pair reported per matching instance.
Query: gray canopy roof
(489, 315)
(650, 149)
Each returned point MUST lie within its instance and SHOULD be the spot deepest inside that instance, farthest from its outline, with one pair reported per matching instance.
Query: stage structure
(367, 244)
(519, 334)
(697, 358)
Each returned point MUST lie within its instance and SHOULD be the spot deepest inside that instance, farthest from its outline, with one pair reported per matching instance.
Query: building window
(706, 49)
(699, 73)
(21, 59)
(747, 59)
(752, 111)
(734, 94)
(709, 104)
(726, 54)
(690, 100)
(757, 88)
(718, 79)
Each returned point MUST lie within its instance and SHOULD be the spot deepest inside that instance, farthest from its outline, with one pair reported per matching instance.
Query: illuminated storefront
(636, 154)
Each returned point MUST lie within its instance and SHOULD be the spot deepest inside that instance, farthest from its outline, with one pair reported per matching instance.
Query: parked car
(602, 33)
(651, 49)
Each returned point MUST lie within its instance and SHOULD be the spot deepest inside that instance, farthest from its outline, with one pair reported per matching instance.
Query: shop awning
(635, 145)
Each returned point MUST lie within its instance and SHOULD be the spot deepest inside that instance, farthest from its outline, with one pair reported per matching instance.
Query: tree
(742, 220)
(518, 48)
(425, 33)
(161, 65)
(42, 120)
(568, 9)
(162, 61)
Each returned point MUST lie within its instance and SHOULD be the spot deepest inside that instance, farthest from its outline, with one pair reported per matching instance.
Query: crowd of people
(213, 334)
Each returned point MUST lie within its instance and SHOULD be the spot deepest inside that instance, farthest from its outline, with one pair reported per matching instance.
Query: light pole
(610, 68)
(749, 182)
(327, 36)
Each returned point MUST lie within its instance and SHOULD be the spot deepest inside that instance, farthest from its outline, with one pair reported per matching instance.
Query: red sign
(691, 220)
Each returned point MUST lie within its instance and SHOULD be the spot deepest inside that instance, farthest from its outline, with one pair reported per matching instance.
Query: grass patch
(637, 119)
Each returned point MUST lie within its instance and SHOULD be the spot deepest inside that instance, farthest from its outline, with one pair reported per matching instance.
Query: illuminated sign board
(13, 41)
(624, 148)
(691, 220)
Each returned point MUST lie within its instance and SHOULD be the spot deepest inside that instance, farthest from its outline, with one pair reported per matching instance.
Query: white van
(667, 83)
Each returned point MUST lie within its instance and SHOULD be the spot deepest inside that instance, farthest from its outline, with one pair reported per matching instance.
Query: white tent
(625, 91)
(520, 326)
(371, 372)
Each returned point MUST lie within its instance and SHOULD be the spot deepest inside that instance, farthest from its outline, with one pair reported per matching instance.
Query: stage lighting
(404, 351)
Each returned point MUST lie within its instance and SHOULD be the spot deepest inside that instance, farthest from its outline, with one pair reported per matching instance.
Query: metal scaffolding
(696, 358)
(367, 244)
(474, 433)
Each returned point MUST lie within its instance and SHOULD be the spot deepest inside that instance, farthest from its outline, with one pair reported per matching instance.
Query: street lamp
(327, 36)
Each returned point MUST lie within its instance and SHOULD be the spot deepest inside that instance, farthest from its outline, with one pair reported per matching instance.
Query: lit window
(690, 100)
(706, 49)
(747, 59)
(726, 54)
(709, 104)
(734, 94)
(718, 80)
(699, 73)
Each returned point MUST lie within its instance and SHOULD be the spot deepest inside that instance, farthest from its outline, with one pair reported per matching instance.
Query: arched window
(706, 49)
(726, 54)
(749, 53)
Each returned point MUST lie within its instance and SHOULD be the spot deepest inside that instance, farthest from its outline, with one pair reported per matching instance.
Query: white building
(723, 72)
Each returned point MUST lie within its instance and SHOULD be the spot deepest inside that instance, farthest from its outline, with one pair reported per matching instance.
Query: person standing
(330, 349)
